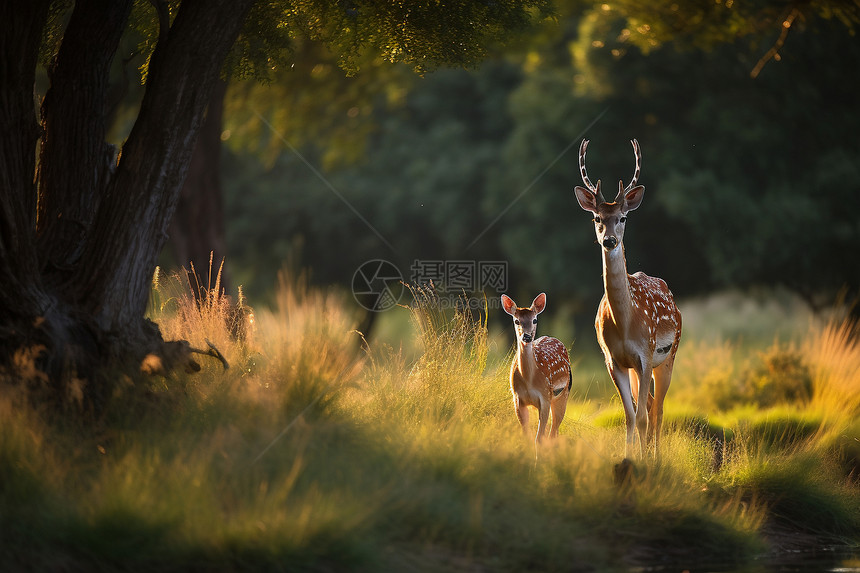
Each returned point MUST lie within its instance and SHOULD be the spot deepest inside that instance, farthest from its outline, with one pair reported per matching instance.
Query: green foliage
(309, 102)
(423, 35)
(737, 214)
(419, 186)
(308, 54)
(781, 376)
(706, 25)
(302, 56)
(481, 165)
(265, 44)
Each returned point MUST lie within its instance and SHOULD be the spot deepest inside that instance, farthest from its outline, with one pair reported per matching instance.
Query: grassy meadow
(320, 451)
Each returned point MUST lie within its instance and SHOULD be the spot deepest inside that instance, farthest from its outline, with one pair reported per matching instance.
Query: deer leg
(652, 412)
(542, 420)
(558, 407)
(621, 378)
(522, 411)
(634, 387)
(642, 410)
(662, 378)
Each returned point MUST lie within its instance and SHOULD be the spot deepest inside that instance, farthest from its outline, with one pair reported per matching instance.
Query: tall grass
(319, 451)
(834, 353)
(452, 414)
(449, 380)
(203, 314)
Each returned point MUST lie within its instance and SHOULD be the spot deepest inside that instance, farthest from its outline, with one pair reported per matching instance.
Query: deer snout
(527, 337)
(610, 243)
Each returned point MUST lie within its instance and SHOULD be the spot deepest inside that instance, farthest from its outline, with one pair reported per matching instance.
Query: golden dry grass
(313, 453)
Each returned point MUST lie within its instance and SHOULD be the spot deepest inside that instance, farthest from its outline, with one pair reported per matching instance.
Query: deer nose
(527, 337)
(610, 243)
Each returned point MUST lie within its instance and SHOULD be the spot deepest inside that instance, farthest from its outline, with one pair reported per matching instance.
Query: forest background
(750, 161)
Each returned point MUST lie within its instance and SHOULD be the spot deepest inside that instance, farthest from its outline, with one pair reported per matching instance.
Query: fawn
(540, 372)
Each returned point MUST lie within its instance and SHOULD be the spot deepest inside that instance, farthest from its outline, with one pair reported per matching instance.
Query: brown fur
(638, 323)
(540, 372)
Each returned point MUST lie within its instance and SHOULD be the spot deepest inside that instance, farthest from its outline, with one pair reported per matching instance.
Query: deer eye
(534, 321)
(597, 220)
(516, 321)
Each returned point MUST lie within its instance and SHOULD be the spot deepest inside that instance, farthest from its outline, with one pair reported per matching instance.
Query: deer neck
(526, 358)
(616, 285)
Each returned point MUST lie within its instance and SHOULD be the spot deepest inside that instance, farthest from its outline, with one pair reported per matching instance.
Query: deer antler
(638, 169)
(588, 184)
(622, 190)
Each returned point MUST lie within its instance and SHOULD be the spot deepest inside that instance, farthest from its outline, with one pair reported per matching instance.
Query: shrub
(781, 376)
(706, 375)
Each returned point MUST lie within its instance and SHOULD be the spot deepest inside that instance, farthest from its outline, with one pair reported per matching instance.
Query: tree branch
(774, 50)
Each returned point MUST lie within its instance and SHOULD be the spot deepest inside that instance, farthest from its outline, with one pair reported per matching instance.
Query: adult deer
(540, 371)
(638, 324)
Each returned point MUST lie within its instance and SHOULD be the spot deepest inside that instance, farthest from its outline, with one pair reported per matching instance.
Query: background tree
(750, 180)
(197, 228)
(79, 242)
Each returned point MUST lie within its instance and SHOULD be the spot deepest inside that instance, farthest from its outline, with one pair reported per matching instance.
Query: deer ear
(539, 303)
(586, 198)
(508, 304)
(633, 198)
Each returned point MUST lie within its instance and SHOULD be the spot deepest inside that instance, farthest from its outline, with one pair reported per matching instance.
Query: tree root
(177, 354)
(214, 352)
(62, 360)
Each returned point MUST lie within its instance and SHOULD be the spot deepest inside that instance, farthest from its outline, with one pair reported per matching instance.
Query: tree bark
(76, 162)
(21, 293)
(130, 228)
(197, 228)
(76, 280)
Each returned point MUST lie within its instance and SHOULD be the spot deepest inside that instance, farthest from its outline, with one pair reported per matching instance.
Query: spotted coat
(540, 370)
(552, 361)
(654, 316)
(652, 296)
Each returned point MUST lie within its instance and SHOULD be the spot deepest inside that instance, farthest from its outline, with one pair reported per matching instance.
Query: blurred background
(746, 116)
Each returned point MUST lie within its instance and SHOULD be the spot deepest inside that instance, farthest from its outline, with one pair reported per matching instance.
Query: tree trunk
(75, 281)
(21, 294)
(197, 228)
(76, 162)
(130, 228)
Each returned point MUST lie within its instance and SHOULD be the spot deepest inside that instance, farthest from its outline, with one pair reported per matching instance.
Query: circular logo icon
(377, 285)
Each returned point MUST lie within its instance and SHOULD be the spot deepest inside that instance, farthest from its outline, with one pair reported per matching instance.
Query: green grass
(313, 454)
